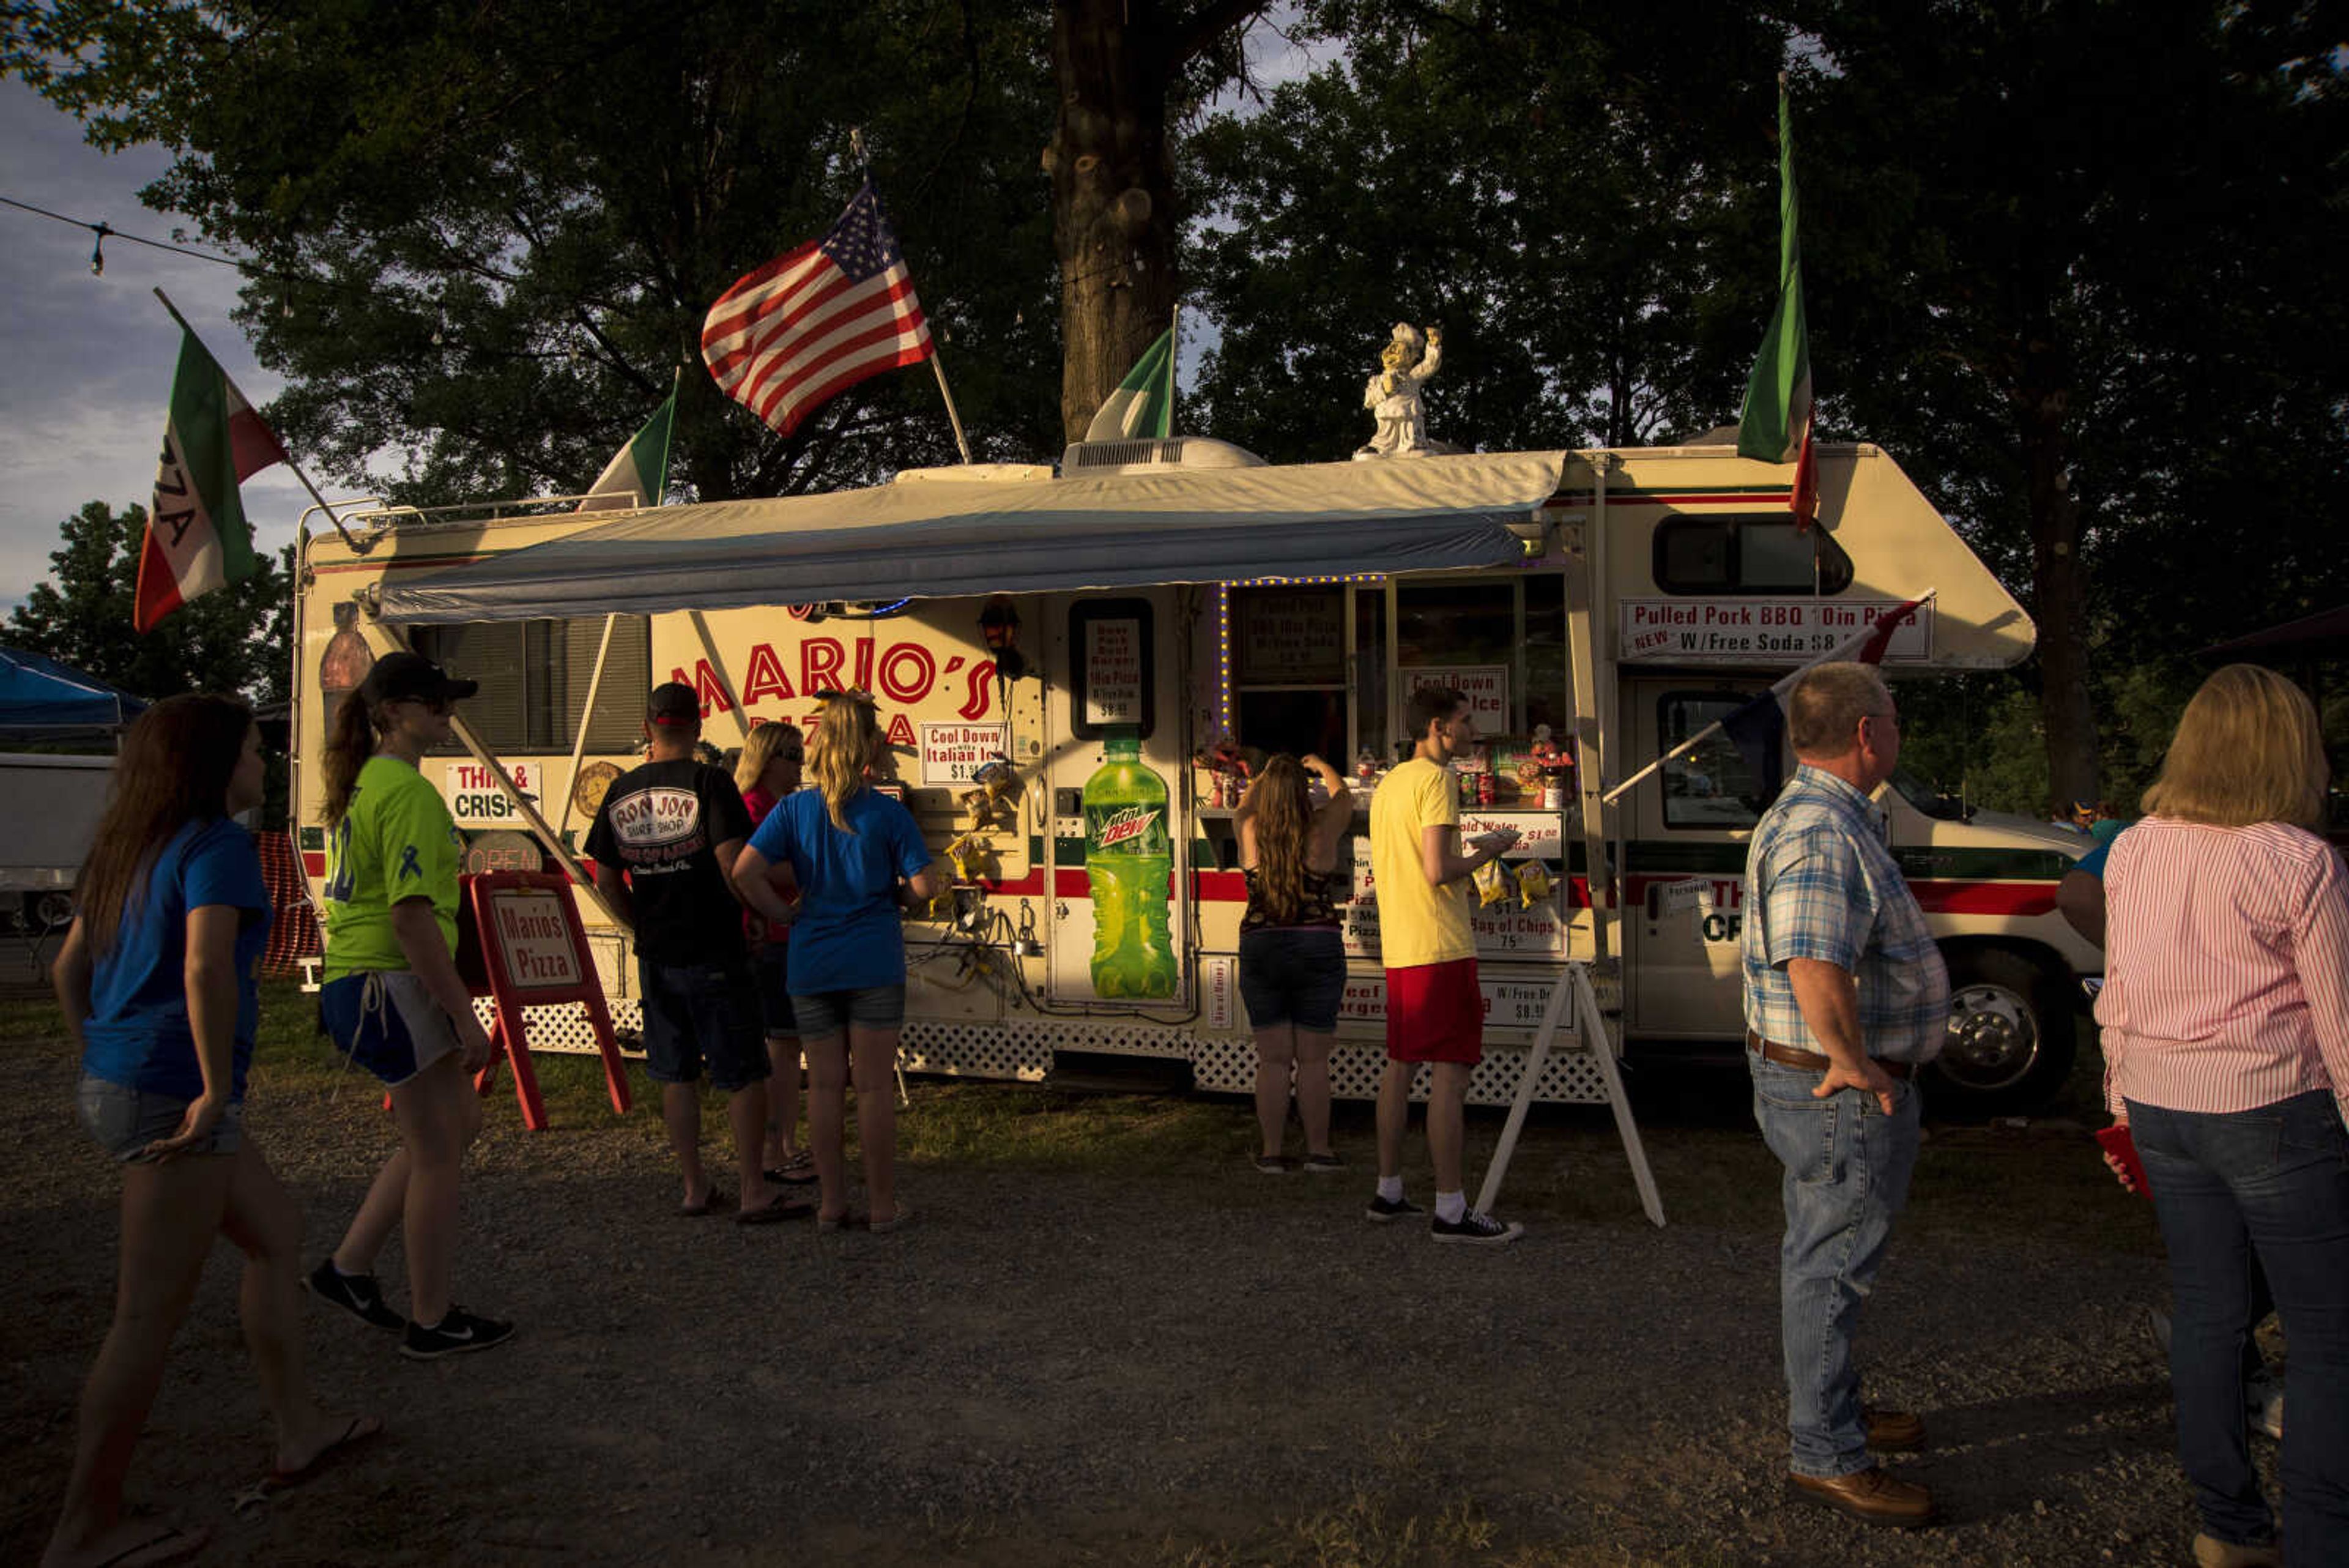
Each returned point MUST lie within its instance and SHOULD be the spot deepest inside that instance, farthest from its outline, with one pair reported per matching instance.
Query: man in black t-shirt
(664, 843)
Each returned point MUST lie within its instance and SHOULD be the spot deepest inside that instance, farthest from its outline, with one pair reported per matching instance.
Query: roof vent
(1095, 458)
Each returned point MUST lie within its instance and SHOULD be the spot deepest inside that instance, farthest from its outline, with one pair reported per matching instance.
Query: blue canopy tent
(41, 700)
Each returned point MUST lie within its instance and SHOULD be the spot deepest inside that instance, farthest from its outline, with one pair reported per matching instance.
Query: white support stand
(1573, 988)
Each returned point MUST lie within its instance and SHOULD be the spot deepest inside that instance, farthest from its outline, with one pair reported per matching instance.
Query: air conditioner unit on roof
(1095, 458)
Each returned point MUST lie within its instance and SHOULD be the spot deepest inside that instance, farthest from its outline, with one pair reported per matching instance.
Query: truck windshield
(1929, 799)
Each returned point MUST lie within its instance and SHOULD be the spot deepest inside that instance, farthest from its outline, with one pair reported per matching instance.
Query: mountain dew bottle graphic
(1127, 858)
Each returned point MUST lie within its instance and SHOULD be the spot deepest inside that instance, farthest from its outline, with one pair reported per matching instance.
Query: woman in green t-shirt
(393, 999)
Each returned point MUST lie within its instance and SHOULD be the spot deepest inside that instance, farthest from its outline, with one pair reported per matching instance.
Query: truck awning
(929, 538)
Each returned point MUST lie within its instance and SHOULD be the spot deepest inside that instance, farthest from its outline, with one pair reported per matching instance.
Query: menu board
(1284, 637)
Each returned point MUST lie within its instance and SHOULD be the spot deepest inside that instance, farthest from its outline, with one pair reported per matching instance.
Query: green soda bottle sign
(1128, 861)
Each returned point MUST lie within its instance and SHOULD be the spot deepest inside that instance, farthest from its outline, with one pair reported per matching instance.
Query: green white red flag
(1775, 425)
(197, 535)
(637, 474)
(1144, 404)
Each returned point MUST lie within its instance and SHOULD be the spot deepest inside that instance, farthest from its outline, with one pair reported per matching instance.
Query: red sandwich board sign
(522, 946)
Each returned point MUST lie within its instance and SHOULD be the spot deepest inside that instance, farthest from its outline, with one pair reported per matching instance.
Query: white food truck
(1187, 594)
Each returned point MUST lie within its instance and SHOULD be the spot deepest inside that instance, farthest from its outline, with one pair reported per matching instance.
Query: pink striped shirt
(2226, 967)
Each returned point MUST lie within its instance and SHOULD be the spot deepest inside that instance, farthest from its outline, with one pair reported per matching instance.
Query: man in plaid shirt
(1845, 997)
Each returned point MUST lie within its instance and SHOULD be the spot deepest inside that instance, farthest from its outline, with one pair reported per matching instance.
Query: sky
(85, 362)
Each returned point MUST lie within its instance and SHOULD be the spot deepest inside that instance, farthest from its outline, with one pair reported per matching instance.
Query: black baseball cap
(674, 703)
(403, 677)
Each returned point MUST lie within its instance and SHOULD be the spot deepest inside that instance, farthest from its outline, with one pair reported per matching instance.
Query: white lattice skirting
(1022, 1049)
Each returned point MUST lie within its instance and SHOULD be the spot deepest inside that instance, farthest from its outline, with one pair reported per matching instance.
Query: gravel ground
(1193, 1365)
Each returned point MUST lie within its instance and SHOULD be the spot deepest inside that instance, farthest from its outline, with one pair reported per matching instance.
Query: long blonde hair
(844, 748)
(1284, 832)
(2249, 749)
(759, 749)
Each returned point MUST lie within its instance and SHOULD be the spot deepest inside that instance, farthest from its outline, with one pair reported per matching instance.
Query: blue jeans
(1848, 1167)
(2271, 1188)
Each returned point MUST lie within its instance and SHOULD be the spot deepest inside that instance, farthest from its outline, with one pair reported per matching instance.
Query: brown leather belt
(1813, 1061)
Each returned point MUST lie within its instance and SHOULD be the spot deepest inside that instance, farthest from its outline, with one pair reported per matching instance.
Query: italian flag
(637, 474)
(197, 535)
(1144, 404)
(1775, 425)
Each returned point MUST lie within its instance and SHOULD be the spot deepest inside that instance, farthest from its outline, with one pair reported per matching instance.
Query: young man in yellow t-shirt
(1435, 1012)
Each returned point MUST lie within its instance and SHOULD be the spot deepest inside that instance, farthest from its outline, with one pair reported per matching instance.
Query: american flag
(818, 320)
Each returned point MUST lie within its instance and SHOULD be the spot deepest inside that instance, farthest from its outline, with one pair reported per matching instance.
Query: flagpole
(953, 418)
(1782, 683)
(1173, 359)
(356, 548)
(937, 368)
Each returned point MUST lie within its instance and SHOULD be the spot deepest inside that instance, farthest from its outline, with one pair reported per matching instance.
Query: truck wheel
(2012, 1037)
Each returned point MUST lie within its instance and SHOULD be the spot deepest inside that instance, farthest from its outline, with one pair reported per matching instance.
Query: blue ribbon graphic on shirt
(408, 866)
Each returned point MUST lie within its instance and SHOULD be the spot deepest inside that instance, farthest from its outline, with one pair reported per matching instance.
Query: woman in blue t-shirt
(157, 984)
(848, 845)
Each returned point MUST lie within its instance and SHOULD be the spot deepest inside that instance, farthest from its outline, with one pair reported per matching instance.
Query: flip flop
(897, 1221)
(846, 1219)
(703, 1209)
(171, 1543)
(790, 1175)
(780, 1209)
(357, 1433)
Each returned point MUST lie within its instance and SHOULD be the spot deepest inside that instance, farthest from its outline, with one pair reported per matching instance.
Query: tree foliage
(490, 233)
(1577, 194)
(236, 640)
(2080, 265)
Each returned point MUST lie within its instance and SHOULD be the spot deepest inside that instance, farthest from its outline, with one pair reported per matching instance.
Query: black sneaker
(457, 1333)
(356, 1295)
(1322, 1164)
(1382, 1212)
(1477, 1227)
(1272, 1164)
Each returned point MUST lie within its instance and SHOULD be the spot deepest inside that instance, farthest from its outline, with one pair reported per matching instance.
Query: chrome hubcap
(1993, 1040)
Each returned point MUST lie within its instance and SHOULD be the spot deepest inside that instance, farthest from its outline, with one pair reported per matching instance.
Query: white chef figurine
(1392, 395)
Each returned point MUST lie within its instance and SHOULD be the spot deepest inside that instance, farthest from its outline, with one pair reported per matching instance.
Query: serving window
(534, 675)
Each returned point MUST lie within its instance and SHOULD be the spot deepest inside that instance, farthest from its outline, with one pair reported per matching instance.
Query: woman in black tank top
(1292, 963)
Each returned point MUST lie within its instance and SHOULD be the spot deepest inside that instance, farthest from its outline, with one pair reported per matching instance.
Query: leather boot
(1872, 1496)
(2209, 1552)
(1894, 1431)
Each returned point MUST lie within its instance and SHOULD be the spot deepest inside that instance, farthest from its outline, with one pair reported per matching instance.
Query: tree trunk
(2067, 713)
(1113, 193)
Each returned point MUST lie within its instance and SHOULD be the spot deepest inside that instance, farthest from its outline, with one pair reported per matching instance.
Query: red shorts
(1435, 1014)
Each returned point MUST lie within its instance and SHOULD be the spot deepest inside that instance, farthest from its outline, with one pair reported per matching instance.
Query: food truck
(1055, 651)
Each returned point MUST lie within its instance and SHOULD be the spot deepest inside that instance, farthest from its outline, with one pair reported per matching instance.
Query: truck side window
(1712, 786)
(1717, 555)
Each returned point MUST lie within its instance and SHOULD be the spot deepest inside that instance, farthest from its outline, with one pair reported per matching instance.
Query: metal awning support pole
(717, 667)
(587, 717)
(388, 639)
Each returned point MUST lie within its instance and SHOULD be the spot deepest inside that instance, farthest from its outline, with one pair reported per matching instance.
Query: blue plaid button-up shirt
(1820, 884)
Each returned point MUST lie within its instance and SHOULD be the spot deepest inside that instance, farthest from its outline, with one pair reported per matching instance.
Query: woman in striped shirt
(2226, 1033)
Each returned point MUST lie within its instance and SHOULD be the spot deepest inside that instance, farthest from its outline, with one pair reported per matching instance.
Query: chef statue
(1392, 395)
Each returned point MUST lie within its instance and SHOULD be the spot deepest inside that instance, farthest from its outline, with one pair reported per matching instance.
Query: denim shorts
(771, 965)
(695, 1012)
(1293, 975)
(824, 1012)
(125, 1120)
(388, 1022)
